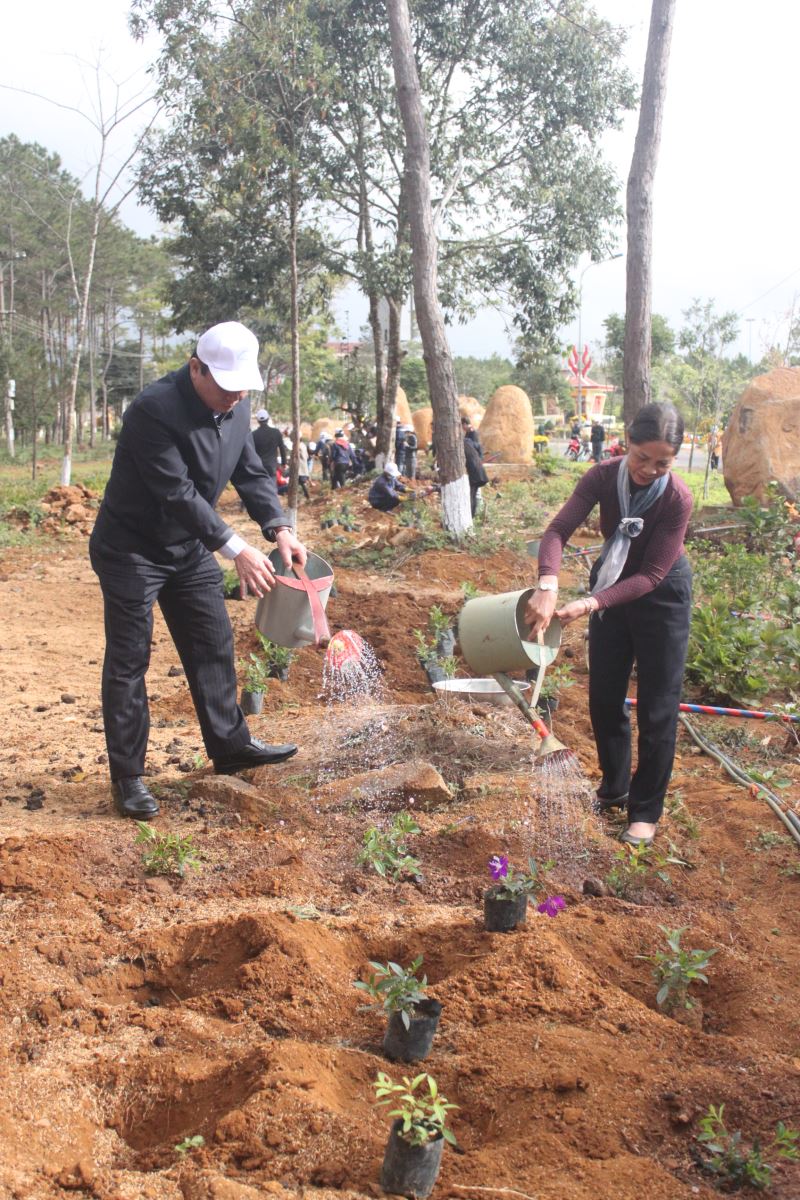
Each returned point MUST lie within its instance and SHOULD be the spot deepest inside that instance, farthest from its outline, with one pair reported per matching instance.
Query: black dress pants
(189, 594)
(653, 632)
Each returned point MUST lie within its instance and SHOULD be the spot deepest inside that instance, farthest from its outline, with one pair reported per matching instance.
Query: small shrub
(278, 658)
(256, 673)
(231, 584)
(418, 1105)
(395, 988)
(629, 871)
(386, 852)
(190, 1143)
(166, 853)
(438, 621)
(557, 679)
(510, 883)
(676, 969)
(736, 1165)
(724, 653)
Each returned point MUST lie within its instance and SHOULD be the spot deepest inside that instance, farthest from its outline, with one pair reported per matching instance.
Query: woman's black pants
(653, 632)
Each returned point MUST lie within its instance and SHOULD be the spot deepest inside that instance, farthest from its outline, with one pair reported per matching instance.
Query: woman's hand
(577, 608)
(539, 611)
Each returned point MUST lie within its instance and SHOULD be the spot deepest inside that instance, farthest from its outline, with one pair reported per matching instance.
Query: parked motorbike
(578, 451)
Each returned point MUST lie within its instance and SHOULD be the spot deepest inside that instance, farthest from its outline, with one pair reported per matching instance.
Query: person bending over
(639, 610)
(182, 439)
(384, 494)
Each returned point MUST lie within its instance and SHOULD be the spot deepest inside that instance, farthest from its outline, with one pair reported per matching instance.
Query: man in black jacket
(268, 442)
(475, 472)
(183, 438)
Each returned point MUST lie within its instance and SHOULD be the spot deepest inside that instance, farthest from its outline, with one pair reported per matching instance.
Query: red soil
(135, 1011)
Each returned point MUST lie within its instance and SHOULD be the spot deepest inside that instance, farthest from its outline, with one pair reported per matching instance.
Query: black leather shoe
(606, 803)
(134, 799)
(254, 754)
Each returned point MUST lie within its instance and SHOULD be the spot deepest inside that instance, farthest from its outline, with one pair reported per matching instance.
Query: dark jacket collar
(183, 382)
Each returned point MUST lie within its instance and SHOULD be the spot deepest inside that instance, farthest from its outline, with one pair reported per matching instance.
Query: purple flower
(552, 906)
(498, 865)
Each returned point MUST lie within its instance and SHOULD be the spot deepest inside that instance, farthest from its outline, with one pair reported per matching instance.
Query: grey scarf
(614, 554)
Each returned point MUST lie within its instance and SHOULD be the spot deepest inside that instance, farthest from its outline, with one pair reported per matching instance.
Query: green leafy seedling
(630, 869)
(256, 673)
(675, 969)
(190, 1143)
(735, 1164)
(394, 988)
(420, 1107)
(166, 853)
(385, 850)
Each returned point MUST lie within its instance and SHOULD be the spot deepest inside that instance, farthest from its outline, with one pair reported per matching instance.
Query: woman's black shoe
(605, 803)
(133, 799)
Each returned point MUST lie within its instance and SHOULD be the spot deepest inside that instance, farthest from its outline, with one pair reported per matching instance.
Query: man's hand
(255, 572)
(290, 548)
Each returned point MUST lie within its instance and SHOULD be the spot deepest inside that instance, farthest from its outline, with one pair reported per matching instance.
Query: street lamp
(588, 267)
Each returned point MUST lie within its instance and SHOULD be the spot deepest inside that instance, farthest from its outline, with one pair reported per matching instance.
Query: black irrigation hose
(789, 818)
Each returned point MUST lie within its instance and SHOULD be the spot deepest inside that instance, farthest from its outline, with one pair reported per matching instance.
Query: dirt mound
(507, 429)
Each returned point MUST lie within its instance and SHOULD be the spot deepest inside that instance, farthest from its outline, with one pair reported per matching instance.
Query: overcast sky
(726, 197)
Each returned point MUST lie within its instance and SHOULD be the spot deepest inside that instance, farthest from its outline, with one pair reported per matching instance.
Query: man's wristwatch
(546, 586)
(272, 534)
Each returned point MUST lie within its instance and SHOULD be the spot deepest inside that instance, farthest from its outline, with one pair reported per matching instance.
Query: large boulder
(468, 406)
(507, 429)
(422, 419)
(762, 440)
(324, 425)
(402, 411)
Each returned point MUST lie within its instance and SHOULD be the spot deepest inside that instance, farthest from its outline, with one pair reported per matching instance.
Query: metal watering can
(292, 614)
(494, 637)
(494, 640)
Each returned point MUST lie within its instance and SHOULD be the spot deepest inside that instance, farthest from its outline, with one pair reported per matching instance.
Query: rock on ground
(507, 429)
(762, 440)
(416, 784)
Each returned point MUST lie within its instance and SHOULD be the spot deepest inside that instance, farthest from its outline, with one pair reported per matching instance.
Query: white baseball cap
(262, 415)
(391, 469)
(230, 351)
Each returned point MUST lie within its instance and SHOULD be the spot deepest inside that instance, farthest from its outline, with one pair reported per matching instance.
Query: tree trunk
(69, 416)
(294, 461)
(383, 412)
(383, 439)
(392, 372)
(92, 382)
(438, 362)
(639, 266)
(35, 434)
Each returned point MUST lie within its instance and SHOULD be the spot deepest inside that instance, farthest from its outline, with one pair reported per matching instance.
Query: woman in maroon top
(638, 609)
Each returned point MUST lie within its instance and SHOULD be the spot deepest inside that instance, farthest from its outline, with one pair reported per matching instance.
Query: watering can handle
(322, 633)
(537, 687)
